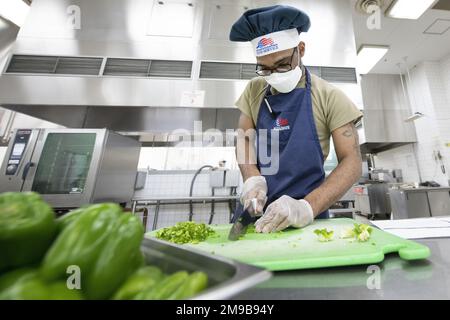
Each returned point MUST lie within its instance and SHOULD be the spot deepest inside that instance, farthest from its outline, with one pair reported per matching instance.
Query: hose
(211, 216)
(191, 208)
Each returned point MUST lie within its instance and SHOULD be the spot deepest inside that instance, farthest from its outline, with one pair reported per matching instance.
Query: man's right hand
(254, 188)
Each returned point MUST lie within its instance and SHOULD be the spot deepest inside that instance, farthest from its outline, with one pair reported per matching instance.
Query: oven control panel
(17, 151)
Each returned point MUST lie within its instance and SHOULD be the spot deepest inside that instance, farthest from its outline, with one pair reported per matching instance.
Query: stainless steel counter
(429, 279)
(425, 189)
(420, 202)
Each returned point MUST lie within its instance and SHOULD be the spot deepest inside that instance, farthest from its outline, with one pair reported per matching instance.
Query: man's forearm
(335, 186)
(246, 154)
(247, 165)
(249, 170)
(344, 176)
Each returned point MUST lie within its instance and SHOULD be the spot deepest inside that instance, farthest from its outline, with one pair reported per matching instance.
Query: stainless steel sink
(226, 277)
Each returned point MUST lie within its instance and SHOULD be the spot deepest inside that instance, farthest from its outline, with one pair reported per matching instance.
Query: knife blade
(239, 228)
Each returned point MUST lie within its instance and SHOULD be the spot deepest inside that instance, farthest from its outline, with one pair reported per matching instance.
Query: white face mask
(285, 82)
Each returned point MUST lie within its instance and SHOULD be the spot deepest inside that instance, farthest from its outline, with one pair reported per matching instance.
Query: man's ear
(301, 48)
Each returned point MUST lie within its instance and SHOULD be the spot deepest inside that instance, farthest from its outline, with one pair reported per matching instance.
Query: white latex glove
(285, 212)
(254, 188)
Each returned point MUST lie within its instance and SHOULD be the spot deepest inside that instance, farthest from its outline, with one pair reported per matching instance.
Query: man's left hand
(283, 213)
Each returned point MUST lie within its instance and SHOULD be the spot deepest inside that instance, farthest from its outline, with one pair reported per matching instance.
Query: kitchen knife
(239, 228)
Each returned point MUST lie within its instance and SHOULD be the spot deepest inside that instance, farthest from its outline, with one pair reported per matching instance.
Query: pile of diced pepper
(90, 253)
(185, 232)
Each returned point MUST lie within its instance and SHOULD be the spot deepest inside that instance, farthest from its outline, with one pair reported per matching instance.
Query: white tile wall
(153, 158)
(177, 184)
(186, 158)
(444, 123)
(400, 158)
(445, 76)
(429, 94)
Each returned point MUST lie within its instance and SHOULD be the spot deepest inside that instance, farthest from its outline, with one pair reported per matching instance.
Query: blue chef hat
(271, 29)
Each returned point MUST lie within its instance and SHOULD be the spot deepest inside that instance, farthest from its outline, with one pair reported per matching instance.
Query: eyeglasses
(280, 69)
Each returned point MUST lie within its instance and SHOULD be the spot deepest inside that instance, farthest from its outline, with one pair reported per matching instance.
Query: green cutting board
(295, 249)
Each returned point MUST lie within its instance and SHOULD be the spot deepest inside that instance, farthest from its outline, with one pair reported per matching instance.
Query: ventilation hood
(386, 110)
(121, 63)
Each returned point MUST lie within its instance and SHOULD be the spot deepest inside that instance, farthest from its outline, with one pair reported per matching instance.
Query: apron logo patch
(281, 124)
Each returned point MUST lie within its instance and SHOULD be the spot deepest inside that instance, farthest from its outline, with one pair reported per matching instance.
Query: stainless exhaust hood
(153, 125)
(150, 66)
(386, 107)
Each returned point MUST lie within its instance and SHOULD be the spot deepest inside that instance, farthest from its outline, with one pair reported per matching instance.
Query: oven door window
(64, 163)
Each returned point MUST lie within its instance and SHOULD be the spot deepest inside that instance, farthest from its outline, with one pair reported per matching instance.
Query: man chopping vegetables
(301, 111)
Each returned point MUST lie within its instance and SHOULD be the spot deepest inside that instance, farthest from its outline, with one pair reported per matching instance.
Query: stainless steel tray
(226, 277)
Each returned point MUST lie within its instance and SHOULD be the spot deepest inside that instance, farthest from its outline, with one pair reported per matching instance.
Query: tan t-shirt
(332, 109)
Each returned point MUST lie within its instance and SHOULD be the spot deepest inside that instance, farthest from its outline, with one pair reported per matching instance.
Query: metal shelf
(159, 201)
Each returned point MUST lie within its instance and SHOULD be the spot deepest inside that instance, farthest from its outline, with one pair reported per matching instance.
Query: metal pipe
(185, 198)
(211, 216)
(133, 207)
(403, 87)
(409, 88)
(191, 208)
(412, 108)
(162, 202)
(155, 217)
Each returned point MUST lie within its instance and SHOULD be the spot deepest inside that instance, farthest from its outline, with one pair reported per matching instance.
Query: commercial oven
(71, 167)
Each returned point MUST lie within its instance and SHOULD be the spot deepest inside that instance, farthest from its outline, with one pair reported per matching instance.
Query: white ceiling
(406, 38)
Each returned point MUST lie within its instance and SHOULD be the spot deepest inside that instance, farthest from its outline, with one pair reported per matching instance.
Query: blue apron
(300, 167)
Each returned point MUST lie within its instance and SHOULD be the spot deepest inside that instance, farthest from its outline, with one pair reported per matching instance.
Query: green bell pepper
(15, 276)
(197, 282)
(27, 229)
(59, 291)
(29, 287)
(119, 258)
(25, 284)
(165, 288)
(81, 243)
(142, 279)
(65, 220)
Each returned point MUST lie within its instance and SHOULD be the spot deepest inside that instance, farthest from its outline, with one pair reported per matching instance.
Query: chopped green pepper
(185, 232)
(362, 232)
(324, 234)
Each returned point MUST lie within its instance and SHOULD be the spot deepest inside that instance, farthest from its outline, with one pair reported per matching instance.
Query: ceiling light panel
(408, 9)
(369, 56)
